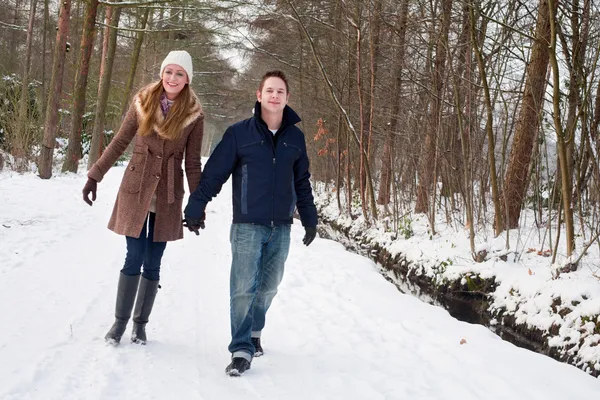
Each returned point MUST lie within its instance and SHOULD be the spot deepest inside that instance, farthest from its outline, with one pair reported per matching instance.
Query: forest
(479, 108)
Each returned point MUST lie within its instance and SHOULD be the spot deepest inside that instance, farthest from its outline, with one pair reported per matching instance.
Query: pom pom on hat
(181, 58)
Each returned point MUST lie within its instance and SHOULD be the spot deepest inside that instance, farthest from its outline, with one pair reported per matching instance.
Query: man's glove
(194, 224)
(309, 236)
(90, 187)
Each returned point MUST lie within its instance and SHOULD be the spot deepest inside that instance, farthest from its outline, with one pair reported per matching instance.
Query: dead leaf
(547, 253)
(463, 341)
(530, 272)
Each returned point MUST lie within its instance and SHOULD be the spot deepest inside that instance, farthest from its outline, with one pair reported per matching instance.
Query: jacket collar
(192, 115)
(290, 117)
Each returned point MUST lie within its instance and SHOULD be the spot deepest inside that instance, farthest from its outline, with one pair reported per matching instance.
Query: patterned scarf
(165, 104)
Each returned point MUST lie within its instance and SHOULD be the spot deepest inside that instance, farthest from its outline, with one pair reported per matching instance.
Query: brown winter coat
(156, 165)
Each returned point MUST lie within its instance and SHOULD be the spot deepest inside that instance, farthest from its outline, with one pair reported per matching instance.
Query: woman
(167, 122)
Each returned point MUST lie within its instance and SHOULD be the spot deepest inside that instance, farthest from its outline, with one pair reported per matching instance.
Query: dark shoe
(143, 308)
(258, 350)
(238, 366)
(138, 335)
(126, 291)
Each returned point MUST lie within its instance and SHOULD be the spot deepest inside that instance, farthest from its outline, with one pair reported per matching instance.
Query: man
(266, 155)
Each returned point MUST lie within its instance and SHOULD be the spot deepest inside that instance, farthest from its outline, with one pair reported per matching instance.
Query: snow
(336, 330)
(529, 286)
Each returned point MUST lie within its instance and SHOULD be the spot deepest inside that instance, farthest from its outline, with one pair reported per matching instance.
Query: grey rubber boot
(143, 308)
(126, 291)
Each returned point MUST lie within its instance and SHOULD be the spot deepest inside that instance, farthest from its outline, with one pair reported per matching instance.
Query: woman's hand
(90, 187)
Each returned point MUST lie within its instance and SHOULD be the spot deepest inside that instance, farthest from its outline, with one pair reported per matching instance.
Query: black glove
(90, 187)
(309, 236)
(194, 224)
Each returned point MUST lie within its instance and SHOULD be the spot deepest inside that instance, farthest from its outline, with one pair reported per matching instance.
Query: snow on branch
(11, 26)
(119, 28)
(133, 3)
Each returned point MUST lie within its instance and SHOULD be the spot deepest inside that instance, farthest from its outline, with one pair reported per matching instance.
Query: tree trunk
(489, 122)
(374, 34)
(14, 39)
(387, 161)
(361, 114)
(561, 140)
(108, 57)
(58, 66)
(338, 174)
(21, 142)
(44, 42)
(427, 174)
(134, 62)
(515, 182)
(87, 44)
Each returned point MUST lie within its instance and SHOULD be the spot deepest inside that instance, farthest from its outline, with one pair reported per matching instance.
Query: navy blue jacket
(270, 174)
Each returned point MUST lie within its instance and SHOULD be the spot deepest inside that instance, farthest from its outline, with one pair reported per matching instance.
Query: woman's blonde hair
(172, 126)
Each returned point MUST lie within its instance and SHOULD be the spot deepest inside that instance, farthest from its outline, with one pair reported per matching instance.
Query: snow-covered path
(336, 330)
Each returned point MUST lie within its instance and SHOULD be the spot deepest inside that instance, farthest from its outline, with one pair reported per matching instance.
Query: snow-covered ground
(565, 306)
(336, 330)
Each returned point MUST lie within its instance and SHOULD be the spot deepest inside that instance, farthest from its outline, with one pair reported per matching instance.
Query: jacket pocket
(258, 142)
(179, 189)
(132, 180)
(244, 189)
(294, 199)
(295, 148)
(140, 152)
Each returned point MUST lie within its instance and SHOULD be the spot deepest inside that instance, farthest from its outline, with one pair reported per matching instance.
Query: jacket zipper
(273, 196)
(274, 149)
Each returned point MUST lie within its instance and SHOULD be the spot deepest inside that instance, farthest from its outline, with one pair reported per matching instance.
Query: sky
(336, 330)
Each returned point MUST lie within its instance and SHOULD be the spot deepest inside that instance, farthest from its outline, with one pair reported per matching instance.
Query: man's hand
(90, 187)
(194, 224)
(309, 236)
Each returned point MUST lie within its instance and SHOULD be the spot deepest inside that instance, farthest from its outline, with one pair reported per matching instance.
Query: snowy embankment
(559, 310)
(336, 330)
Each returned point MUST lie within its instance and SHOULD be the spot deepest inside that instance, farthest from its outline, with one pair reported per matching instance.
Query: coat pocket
(132, 180)
(179, 189)
(178, 185)
(292, 151)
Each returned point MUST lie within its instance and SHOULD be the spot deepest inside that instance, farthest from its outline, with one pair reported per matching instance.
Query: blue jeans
(143, 251)
(258, 258)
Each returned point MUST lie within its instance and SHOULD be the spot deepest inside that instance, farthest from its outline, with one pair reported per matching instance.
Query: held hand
(194, 224)
(309, 236)
(90, 187)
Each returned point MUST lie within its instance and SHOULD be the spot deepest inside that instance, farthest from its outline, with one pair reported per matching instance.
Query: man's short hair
(274, 74)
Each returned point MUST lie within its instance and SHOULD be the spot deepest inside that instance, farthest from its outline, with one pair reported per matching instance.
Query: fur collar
(192, 115)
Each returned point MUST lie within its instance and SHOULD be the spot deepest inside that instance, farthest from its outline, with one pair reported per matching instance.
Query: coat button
(157, 176)
(158, 156)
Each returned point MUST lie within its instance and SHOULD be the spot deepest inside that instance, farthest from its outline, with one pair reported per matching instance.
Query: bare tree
(21, 140)
(515, 182)
(427, 174)
(58, 66)
(87, 44)
(108, 57)
(565, 173)
(387, 162)
(137, 48)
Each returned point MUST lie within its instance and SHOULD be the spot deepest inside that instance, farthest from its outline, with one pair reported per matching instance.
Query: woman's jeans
(143, 251)
(258, 258)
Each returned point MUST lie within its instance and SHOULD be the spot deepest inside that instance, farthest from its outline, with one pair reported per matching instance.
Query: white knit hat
(181, 58)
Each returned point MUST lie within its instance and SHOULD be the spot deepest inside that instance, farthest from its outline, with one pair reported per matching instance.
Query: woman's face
(174, 79)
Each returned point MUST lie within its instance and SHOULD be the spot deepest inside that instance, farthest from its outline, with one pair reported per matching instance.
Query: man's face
(273, 97)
